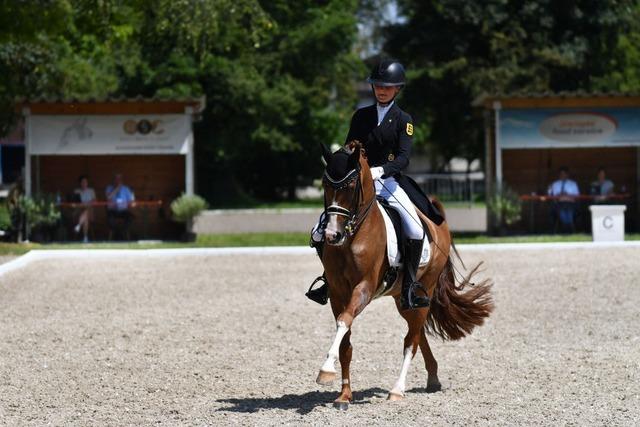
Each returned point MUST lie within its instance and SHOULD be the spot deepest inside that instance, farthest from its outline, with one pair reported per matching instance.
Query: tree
(457, 50)
(277, 74)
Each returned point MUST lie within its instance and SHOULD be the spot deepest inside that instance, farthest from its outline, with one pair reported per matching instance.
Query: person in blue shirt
(119, 200)
(564, 207)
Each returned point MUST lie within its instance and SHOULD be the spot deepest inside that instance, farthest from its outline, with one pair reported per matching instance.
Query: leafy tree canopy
(277, 74)
(456, 50)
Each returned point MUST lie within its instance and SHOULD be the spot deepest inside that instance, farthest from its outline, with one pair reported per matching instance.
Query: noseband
(354, 219)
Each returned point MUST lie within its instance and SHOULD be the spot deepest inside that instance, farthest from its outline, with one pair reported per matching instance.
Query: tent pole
(27, 151)
(189, 184)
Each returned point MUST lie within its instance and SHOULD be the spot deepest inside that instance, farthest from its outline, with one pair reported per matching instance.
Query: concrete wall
(301, 220)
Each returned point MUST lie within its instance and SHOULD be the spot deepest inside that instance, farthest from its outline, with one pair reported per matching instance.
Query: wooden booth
(148, 141)
(530, 136)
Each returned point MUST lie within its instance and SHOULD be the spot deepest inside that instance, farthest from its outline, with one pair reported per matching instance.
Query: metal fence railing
(453, 187)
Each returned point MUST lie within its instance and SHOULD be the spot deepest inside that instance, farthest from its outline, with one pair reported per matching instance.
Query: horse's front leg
(341, 347)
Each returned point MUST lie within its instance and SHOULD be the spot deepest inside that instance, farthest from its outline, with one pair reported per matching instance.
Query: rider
(386, 134)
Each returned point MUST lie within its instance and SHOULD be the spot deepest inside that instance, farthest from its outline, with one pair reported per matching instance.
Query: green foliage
(505, 207)
(5, 217)
(457, 50)
(623, 62)
(38, 211)
(278, 75)
(185, 207)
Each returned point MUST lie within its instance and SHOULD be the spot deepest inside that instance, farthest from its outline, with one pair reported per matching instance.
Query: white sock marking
(332, 356)
(400, 385)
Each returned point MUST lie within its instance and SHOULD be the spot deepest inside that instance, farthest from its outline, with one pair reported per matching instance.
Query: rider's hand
(377, 172)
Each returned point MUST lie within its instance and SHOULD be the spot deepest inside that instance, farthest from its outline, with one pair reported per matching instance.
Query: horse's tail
(453, 312)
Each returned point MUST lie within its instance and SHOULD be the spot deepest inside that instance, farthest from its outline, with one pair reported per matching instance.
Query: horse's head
(345, 179)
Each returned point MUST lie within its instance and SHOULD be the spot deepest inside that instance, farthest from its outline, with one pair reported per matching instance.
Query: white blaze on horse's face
(335, 233)
(341, 183)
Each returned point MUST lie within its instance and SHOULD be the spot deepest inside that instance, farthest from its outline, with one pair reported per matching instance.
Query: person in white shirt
(602, 187)
(86, 196)
(565, 207)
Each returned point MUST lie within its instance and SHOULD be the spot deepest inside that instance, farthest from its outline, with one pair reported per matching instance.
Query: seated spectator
(565, 189)
(86, 196)
(119, 200)
(602, 186)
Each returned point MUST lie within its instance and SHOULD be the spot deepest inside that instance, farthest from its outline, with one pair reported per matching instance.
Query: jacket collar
(389, 116)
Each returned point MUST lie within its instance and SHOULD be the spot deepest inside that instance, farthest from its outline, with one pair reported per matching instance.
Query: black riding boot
(321, 294)
(409, 299)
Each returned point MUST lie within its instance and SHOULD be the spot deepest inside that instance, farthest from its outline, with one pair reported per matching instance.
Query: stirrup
(414, 301)
(320, 295)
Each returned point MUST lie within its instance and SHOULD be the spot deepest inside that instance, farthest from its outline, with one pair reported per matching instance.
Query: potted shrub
(39, 214)
(505, 208)
(184, 209)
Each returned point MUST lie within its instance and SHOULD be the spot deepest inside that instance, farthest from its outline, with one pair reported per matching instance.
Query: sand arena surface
(217, 340)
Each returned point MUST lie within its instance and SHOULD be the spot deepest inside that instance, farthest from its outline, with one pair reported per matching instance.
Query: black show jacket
(389, 145)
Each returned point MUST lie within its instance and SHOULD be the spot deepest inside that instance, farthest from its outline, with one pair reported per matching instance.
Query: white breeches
(399, 200)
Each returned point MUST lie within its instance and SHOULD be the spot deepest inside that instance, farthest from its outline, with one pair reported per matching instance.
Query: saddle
(396, 237)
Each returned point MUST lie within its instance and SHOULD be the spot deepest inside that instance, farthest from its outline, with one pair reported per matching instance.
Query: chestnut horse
(355, 263)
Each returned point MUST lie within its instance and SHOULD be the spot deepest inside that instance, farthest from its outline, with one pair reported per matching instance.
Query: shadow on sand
(301, 403)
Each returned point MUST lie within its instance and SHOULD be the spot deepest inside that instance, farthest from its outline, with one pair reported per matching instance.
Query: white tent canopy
(111, 127)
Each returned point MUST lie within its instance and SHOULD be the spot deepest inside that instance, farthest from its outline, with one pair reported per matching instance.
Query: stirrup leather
(321, 294)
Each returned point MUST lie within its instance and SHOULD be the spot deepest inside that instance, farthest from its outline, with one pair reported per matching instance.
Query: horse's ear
(354, 158)
(326, 153)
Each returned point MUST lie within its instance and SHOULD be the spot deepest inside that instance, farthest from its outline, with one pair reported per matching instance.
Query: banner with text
(148, 134)
(558, 128)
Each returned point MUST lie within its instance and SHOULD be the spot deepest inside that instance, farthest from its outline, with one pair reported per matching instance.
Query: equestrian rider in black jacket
(386, 134)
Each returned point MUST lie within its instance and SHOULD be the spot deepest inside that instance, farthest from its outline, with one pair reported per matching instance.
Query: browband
(341, 183)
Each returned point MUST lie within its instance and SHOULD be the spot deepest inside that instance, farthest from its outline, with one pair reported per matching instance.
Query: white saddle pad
(395, 260)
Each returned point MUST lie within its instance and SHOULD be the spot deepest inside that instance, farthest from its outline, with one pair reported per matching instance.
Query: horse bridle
(354, 219)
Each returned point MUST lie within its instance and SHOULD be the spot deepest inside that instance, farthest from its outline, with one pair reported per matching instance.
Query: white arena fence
(452, 187)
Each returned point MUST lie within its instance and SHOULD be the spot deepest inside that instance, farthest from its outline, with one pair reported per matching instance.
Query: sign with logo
(543, 128)
(70, 135)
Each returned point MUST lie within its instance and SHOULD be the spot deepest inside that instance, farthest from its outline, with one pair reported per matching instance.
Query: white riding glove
(377, 172)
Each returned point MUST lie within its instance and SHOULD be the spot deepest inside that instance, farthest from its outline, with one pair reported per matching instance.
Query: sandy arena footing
(231, 339)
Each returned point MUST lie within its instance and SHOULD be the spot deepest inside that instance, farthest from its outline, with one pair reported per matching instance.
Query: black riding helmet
(387, 73)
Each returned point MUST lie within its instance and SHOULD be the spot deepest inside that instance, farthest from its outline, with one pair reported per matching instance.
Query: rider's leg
(414, 233)
(320, 294)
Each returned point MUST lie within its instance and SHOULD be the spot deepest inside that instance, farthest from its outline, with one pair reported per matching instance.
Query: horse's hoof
(341, 405)
(394, 397)
(435, 387)
(326, 378)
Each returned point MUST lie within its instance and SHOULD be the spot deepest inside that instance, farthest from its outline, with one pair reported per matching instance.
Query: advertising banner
(143, 134)
(564, 128)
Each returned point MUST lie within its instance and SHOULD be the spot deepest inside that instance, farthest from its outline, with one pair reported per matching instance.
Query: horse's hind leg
(433, 383)
(415, 320)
